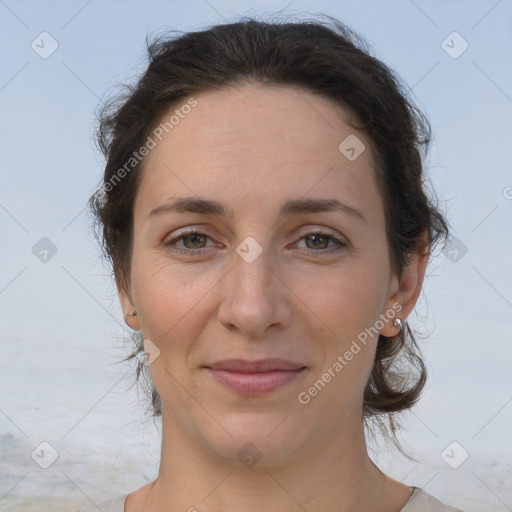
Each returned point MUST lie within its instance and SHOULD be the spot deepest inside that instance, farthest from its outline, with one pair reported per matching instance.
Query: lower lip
(256, 383)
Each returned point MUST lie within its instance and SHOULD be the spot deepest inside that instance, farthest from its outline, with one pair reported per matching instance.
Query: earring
(134, 313)
(398, 323)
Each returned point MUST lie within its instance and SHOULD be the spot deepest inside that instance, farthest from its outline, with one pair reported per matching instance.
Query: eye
(193, 243)
(319, 242)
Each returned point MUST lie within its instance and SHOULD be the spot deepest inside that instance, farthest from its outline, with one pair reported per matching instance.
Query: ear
(124, 292)
(405, 289)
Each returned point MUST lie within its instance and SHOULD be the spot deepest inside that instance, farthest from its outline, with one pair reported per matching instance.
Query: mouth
(255, 377)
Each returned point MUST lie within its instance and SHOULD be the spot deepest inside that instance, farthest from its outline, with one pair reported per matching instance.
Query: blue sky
(49, 167)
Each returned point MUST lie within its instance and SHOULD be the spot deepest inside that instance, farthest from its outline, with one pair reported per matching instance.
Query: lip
(255, 377)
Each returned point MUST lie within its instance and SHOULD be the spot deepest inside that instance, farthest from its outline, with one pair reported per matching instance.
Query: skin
(252, 148)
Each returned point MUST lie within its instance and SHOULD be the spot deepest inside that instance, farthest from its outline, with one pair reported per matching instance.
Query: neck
(325, 475)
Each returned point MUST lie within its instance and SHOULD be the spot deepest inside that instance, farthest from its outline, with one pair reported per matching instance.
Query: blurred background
(74, 428)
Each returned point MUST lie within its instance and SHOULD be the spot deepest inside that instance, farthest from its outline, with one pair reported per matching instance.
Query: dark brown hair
(326, 58)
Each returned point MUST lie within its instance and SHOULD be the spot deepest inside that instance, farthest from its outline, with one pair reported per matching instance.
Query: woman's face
(271, 274)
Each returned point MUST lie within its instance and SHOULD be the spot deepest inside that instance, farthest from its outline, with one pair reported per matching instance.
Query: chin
(257, 439)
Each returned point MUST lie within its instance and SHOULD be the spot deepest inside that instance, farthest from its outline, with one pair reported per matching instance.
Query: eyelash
(193, 252)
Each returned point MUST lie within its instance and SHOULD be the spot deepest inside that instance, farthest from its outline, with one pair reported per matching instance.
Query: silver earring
(398, 323)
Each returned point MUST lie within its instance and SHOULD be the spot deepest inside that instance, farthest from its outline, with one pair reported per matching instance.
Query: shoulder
(420, 501)
(115, 505)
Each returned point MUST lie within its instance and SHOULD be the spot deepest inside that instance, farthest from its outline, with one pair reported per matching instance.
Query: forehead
(258, 143)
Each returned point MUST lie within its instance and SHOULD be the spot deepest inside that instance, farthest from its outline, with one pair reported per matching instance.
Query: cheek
(168, 296)
(347, 308)
(345, 300)
(346, 304)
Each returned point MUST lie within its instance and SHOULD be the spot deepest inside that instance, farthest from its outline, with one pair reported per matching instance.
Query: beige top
(420, 501)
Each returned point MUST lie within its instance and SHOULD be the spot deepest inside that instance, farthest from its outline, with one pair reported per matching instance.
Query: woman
(264, 213)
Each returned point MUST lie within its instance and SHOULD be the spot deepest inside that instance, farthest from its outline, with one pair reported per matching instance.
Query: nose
(254, 298)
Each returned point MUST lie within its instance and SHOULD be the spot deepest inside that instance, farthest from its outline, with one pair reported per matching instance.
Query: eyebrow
(291, 207)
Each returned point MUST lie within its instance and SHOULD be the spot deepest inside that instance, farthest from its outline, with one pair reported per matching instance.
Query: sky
(60, 324)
